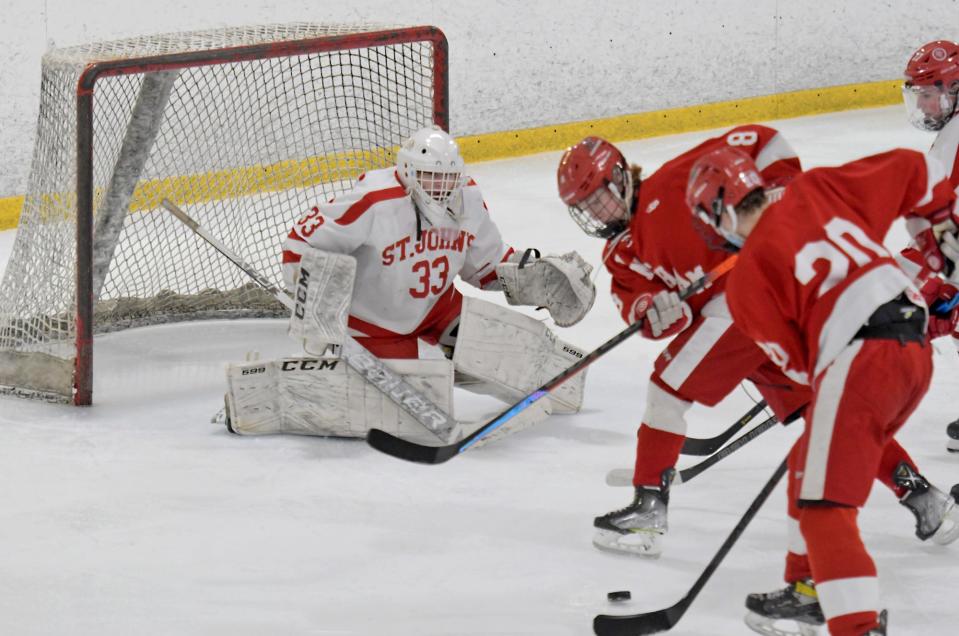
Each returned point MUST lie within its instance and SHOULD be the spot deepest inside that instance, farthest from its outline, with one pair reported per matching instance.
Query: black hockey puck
(619, 595)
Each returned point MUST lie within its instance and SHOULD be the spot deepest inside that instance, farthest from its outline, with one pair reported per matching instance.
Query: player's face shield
(603, 214)
(928, 106)
(439, 186)
(717, 229)
(439, 194)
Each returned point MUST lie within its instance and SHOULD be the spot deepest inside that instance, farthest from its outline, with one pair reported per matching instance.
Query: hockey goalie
(377, 264)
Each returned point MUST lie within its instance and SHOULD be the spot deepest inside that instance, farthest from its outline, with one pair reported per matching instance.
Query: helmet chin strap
(629, 191)
(731, 234)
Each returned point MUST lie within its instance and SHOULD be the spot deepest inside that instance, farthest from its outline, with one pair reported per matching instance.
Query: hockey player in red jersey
(836, 313)
(377, 263)
(652, 251)
(931, 93)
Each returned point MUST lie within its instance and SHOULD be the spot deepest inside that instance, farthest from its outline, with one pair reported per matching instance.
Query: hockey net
(246, 128)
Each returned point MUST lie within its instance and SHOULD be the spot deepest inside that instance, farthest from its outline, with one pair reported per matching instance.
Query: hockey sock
(656, 450)
(797, 559)
(844, 572)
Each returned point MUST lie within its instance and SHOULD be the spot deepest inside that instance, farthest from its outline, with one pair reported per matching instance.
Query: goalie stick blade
(635, 624)
(410, 451)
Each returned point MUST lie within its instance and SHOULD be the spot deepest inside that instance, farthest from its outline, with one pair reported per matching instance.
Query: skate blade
(948, 530)
(778, 627)
(641, 544)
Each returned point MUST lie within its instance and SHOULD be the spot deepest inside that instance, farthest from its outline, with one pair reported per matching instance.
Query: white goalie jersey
(404, 264)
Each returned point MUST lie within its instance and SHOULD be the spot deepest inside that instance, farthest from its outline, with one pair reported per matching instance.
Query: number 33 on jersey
(404, 265)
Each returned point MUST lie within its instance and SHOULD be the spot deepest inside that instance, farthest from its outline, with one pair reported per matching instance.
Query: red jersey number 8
(742, 138)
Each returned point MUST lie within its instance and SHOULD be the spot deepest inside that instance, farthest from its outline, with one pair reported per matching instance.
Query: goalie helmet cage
(246, 127)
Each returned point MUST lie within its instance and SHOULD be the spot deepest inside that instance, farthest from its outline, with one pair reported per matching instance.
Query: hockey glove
(949, 246)
(665, 314)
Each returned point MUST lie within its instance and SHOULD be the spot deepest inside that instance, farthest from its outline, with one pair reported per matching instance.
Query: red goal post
(246, 126)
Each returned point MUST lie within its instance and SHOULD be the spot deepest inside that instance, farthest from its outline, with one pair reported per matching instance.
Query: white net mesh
(245, 147)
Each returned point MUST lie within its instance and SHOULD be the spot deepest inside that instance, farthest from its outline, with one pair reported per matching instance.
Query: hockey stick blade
(694, 446)
(665, 619)
(407, 450)
(622, 477)
(652, 623)
(421, 454)
(686, 474)
(410, 451)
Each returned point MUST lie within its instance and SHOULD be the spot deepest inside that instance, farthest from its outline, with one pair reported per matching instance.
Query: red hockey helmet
(718, 182)
(931, 84)
(595, 182)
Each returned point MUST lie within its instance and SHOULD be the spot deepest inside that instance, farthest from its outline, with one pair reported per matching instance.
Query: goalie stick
(665, 619)
(411, 451)
(417, 405)
(694, 446)
(624, 476)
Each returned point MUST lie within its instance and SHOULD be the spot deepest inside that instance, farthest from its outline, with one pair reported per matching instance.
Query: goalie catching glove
(560, 283)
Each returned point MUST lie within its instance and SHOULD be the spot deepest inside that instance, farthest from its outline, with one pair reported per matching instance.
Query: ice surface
(137, 516)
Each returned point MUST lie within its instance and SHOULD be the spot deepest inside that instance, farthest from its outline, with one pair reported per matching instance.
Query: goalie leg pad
(508, 355)
(324, 290)
(533, 414)
(324, 396)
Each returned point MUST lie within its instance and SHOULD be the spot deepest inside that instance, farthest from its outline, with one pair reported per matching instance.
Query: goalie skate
(775, 613)
(937, 514)
(953, 432)
(637, 529)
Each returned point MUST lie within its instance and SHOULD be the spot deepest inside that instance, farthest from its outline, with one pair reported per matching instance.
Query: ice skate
(797, 603)
(638, 528)
(881, 630)
(953, 432)
(937, 515)
(223, 417)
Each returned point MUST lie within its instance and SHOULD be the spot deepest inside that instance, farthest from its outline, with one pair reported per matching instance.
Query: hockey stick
(694, 446)
(665, 619)
(411, 451)
(409, 399)
(624, 476)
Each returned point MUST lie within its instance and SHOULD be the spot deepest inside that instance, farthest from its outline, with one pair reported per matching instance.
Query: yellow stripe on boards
(679, 120)
(10, 212)
(253, 180)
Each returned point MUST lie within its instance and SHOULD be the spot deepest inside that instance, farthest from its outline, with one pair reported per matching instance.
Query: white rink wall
(524, 64)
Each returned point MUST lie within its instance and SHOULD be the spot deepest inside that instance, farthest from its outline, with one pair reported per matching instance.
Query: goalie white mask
(431, 169)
